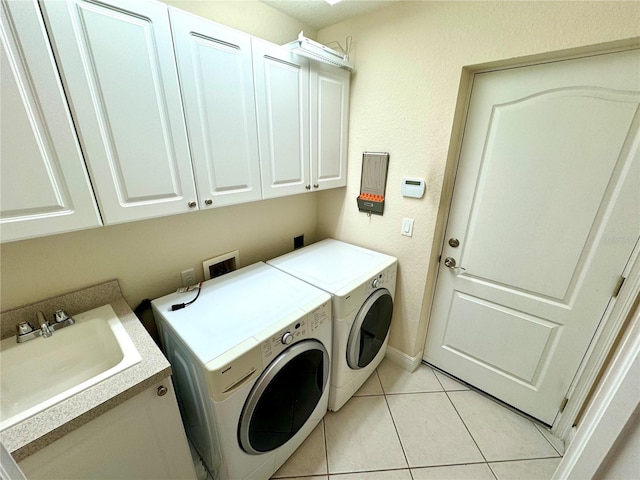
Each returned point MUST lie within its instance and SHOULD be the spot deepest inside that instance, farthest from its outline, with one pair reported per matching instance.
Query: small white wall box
(413, 187)
(215, 267)
(373, 182)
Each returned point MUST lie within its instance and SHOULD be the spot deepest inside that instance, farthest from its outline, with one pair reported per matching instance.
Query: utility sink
(39, 373)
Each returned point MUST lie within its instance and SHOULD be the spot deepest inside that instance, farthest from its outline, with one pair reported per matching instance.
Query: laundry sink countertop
(33, 433)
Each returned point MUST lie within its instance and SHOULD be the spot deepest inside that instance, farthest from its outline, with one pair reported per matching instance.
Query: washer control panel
(384, 279)
(295, 332)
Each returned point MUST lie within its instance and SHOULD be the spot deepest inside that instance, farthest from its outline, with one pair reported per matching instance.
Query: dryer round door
(370, 329)
(284, 397)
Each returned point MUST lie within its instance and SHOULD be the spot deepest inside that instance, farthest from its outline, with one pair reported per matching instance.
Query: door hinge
(618, 286)
(563, 405)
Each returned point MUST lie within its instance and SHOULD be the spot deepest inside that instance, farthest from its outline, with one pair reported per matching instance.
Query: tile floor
(423, 426)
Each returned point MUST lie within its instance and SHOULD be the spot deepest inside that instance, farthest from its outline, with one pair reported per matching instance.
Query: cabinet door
(142, 438)
(44, 184)
(216, 77)
(329, 103)
(282, 101)
(118, 66)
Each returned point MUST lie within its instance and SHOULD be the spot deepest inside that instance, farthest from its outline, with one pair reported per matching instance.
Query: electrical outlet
(188, 277)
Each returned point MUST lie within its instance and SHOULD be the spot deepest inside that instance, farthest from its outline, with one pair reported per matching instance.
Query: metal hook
(347, 50)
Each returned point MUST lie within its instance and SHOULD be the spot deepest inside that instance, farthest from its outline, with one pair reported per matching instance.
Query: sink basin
(39, 373)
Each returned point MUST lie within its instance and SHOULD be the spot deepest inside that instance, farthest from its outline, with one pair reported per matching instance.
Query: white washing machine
(362, 284)
(251, 362)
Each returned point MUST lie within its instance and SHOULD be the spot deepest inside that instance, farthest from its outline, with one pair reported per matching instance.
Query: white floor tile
(361, 437)
(557, 443)
(371, 387)
(309, 459)
(379, 475)
(500, 433)
(396, 379)
(448, 383)
(314, 477)
(476, 471)
(541, 469)
(431, 431)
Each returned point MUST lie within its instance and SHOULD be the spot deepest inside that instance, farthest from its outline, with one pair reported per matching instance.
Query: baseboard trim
(403, 360)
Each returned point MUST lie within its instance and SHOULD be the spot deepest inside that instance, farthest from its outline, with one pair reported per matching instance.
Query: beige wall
(147, 257)
(409, 59)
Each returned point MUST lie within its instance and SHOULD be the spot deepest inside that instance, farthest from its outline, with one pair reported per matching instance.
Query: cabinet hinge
(563, 404)
(618, 286)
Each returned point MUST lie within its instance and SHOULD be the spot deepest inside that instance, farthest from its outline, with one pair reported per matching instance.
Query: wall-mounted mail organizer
(373, 182)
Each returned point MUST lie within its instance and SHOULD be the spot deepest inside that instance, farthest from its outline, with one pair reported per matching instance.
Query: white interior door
(546, 212)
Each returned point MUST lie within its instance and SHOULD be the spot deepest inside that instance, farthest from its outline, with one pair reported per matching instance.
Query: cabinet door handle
(162, 391)
(192, 204)
(208, 201)
(315, 185)
(308, 187)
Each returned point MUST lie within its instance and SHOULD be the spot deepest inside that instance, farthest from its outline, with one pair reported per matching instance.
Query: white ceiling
(319, 14)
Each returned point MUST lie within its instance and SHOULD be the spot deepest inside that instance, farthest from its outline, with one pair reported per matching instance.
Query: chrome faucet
(44, 325)
(25, 331)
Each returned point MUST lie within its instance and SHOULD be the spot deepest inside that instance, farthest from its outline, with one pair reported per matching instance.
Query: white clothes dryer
(362, 283)
(251, 362)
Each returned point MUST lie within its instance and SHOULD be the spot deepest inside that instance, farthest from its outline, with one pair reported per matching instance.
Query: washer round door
(370, 329)
(284, 397)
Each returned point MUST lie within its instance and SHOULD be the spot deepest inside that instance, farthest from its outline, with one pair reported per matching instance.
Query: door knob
(450, 262)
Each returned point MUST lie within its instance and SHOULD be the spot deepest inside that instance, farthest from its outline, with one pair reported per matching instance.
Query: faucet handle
(23, 328)
(60, 316)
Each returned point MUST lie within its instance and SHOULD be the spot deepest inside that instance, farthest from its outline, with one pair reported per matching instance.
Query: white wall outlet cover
(188, 277)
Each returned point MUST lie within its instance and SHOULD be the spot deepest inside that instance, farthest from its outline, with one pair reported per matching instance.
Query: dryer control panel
(385, 279)
(247, 360)
(295, 332)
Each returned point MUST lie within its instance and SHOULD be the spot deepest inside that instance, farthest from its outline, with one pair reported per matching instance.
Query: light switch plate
(407, 227)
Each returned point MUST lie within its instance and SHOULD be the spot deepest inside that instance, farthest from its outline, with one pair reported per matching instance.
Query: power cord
(180, 306)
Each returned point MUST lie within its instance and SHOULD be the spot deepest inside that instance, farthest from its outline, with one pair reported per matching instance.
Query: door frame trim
(618, 310)
(613, 323)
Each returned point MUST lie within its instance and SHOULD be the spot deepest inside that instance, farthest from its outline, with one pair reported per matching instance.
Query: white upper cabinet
(329, 97)
(44, 184)
(216, 76)
(282, 102)
(118, 67)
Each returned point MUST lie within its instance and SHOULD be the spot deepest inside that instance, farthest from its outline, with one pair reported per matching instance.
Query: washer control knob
(374, 283)
(287, 338)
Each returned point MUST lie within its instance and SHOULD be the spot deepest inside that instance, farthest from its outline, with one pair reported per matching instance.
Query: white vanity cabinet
(282, 102)
(142, 438)
(216, 77)
(118, 68)
(329, 105)
(44, 184)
